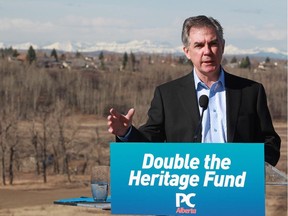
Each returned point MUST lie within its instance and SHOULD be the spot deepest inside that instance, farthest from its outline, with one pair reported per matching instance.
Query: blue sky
(247, 23)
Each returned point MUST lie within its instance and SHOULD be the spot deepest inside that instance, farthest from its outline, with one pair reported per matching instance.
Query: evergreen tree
(2, 53)
(182, 60)
(101, 58)
(224, 61)
(15, 53)
(245, 63)
(125, 60)
(31, 55)
(150, 60)
(133, 61)
(9, 52)
(78, 54)
(54, 54)
(233, 60)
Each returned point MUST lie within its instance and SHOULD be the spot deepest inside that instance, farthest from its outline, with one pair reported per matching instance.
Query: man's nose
(207, 49)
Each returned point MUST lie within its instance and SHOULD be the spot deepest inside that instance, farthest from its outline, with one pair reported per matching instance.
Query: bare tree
(66, 135)
(11, 163)
(56, 166)
(12, 139)
(44, 142)
(35, 144)
(13, 148)
(5, 126)
(3, 131)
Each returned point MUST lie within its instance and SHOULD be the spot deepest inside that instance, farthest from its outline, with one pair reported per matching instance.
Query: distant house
(47, 62)
(267, 65)
(22, 57)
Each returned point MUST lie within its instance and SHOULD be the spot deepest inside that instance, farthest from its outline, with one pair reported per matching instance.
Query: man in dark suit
(237, 110)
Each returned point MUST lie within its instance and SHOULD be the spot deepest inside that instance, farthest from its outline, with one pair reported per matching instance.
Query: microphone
(203, 102)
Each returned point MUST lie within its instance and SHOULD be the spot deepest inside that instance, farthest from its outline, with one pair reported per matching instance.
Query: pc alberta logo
(187, 200)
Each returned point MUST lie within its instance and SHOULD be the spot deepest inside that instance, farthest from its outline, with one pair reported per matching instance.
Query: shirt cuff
(126, 136)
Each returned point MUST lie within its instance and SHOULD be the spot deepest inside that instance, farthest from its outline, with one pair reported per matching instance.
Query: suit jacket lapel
(233, 100)
(188, 98)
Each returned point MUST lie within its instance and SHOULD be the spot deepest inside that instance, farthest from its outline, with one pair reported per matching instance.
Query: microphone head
(203, 101)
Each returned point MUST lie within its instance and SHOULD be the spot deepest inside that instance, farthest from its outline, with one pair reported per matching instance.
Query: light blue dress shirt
(214, 125)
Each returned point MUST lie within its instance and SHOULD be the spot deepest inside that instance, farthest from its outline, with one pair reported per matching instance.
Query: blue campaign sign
(188, 179)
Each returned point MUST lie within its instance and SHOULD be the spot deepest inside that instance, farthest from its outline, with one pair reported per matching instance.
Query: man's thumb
(130, 113)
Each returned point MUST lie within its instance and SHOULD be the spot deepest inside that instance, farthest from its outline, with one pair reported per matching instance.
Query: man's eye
(214, 43)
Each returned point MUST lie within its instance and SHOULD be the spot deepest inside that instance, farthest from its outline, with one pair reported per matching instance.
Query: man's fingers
(114, 113)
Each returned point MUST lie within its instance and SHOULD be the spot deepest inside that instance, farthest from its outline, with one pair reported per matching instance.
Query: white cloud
(232, 50)
(69, 23)
(264, 33)
(73, 28)
(19, 24)
(268, 33)
(93, 22)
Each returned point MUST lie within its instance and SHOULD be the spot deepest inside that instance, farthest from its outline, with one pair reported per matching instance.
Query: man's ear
(223, 46)
(186, 51)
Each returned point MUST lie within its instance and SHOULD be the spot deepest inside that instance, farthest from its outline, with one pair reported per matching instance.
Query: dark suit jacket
(174, 115)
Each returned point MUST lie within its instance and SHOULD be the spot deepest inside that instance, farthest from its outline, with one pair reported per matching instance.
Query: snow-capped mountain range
(138, 46)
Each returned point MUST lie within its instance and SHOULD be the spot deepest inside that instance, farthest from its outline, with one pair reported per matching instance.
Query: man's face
(205, 50)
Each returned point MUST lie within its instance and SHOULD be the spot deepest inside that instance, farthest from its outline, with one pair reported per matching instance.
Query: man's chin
(211, 69)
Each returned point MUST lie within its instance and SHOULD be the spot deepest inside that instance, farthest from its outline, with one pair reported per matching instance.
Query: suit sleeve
(272, 139)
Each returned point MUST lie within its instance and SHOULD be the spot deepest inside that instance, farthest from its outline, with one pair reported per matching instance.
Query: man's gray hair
(198, 22)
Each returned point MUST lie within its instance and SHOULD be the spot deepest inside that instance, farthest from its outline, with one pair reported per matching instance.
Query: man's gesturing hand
(118, 123)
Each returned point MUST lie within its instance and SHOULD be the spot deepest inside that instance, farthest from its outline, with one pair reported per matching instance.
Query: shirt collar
(200, 85)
